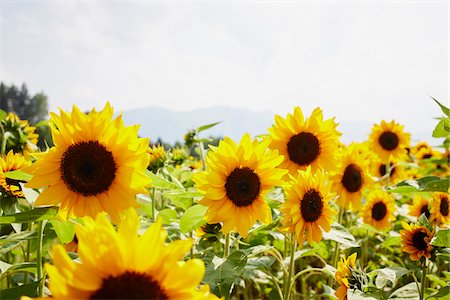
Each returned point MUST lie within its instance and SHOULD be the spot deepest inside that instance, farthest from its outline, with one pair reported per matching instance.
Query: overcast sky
(358, 61)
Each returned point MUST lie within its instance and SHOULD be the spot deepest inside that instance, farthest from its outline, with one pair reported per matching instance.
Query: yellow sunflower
(397, 172)
(351, 178)
(21, 137)
(439, 209)
(12, 162)
(379, 210)
(118, 264)
(305, 142)
(421, 149)
(416, 241)
(420, 206)
(97, 164)
(306, 207)
(342, 274)
(157, 157)
(235, 182)
(389, 141)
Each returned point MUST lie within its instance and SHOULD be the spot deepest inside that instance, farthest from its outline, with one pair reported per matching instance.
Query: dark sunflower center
(88, 168)
(424, 210)
(379, 211)
(388, 140)
(243, 186)
(303, 148)
(352, 179)
(443, 207)
(311, 206)
(129, 285)
(382, 169)
(14, 182)
(418, 240)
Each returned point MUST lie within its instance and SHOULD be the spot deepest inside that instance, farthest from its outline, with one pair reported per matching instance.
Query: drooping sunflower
(12, 162)
(118, 264)
(21, 137)
(342, 274)
(97, 164)
(305, 142)
(397, 172)
(379, 210)
(351, 178)
(307, 208)
(235, 181)
(440, 209)
(420, 206)
(416, 241)
(389, 141)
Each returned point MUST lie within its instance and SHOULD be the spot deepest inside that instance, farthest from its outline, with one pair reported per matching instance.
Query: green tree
(27, 107)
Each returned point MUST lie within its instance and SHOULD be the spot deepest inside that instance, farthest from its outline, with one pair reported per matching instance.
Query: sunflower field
(290, 214)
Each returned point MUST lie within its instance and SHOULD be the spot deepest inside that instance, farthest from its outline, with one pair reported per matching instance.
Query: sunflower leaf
(442, 129)
(207, 126)
(161, 183)
(16, 292)
(441, 238)
(441, 294)
(29, 267)
(390, 274)
(444, 109)
(64, 230)
(3, 114)
(193, 218)
(340, 234)
(406, 292)
(424, 184)
(37, 214)
(18, 175)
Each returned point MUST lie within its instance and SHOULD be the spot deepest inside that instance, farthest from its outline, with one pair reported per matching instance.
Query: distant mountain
(170, 126)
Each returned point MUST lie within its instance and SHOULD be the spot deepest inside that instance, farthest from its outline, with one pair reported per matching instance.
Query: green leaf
(441, 238)
(436, 279)
(168, 215)
(193, 218)
(21, 236)
(442, 129)
(18, 175)
(207, 126)
(391, 241)
(390, 274)
(161, 183)
(18, 267)
(37, 214)
(406, 292)
(264, 262)
(441, 294)
(23, 290)
(182, 198)
(424, 184)
(340, 234)
(3, 114)
(444, 109)
(64, 230)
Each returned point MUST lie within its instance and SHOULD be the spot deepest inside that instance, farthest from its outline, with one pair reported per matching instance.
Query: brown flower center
(424, 210)
(243, 186)
(129, 285)
(352, 179)
(388, 140)
(382, 169)
(443, 207)
(418, 240)
(379, 211)
(88, 168)
(303, 148)
(311, 206)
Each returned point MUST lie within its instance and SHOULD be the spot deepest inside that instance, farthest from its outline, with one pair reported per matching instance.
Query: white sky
(358, 61)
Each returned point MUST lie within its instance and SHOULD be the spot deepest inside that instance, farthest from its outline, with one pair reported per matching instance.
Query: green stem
(40, 237)
(287, 293)
(191, 251)
(277, 286)
(153, 204)
(423, 281)
(201, 149)
(226, 249)
(388, 173)
(302, 272)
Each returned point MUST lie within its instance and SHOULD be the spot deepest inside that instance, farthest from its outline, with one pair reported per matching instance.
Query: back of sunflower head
(17, 135)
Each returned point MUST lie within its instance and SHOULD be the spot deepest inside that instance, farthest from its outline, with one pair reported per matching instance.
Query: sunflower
(416, 241)
(421, 149)
(351, 178)
(342, 274)
(21, 137)
(305, 142)
(118, 264)
(379, 210)
(12, 162)
(306, 208)
(396, 172)
(237, 178)
(389, 141)
(157, 157)
(439, 209)
(96, 165)
(420, 206)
